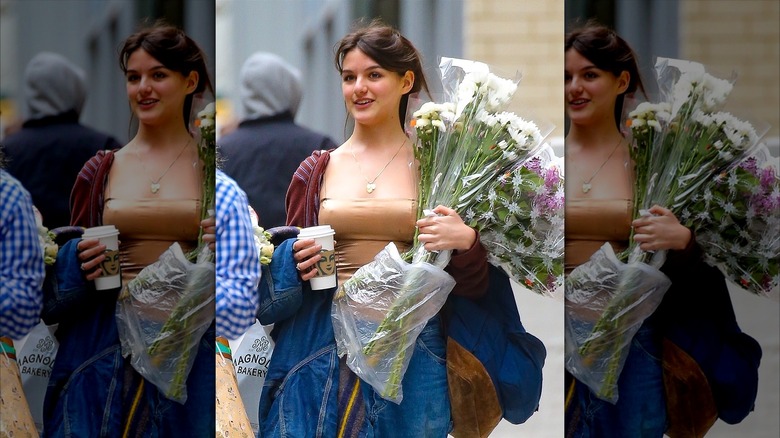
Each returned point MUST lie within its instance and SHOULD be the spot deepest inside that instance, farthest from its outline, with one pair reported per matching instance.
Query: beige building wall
(527, 36)
(743, 36)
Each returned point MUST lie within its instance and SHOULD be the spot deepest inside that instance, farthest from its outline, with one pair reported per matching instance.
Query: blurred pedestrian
(266, 148)
(46, 154)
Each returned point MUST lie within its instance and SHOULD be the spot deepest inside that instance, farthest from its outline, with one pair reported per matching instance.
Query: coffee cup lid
(101, 231)
(317, 231)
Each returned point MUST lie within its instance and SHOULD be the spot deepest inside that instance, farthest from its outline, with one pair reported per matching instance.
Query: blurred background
(89, 34)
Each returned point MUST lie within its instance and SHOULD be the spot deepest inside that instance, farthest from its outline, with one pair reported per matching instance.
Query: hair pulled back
(391, 50)
(609, 52)
(175, 51)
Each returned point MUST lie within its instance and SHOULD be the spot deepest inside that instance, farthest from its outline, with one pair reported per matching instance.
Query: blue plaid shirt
(238, 263)
(21, 261)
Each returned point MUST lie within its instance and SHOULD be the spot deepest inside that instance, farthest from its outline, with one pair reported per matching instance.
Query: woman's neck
(378, 137)
(160, 137)
(598, 136)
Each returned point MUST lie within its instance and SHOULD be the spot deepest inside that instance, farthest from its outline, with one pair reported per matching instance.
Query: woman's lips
(577, 104)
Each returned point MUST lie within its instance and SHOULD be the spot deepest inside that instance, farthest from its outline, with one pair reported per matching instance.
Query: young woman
(150, 190)
(600, 71)
(366, 191)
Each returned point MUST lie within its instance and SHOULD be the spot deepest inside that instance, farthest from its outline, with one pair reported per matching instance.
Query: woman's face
(590, 92)
(156, 93)
(371, 93)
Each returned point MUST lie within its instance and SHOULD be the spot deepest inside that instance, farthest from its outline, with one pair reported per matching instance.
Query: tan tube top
(590, 223)
(365, 226)
(147, 227)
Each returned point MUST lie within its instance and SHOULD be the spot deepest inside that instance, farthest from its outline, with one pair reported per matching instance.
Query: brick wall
(522, 35)
(743, 36)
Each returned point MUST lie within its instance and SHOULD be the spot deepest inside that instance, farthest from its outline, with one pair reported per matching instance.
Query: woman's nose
(360, 85)
(144, 85)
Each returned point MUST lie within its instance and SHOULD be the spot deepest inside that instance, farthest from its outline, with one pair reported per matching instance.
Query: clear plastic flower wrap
(679, 146)
(520, 219)
(463, 146)
(378, 316)
(606, 303)
(162, 315)
(737, 223)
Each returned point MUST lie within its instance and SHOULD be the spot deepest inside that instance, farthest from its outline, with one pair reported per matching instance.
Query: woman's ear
(623, 81)
(192, 81)
(407, 81)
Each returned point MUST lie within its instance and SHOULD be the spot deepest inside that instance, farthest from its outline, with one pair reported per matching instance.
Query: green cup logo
(327, 264)
(110, 265)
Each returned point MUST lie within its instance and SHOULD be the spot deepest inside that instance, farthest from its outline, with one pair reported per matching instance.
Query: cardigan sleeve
(297, 201)
(470, 271)
(82, 195)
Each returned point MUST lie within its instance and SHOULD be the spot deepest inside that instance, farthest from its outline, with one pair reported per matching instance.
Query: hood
(53, 85)
(269, 86)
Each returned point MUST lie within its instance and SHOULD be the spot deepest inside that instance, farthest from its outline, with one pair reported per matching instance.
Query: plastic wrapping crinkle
(162, 315)
(606, 303)
(377, 318)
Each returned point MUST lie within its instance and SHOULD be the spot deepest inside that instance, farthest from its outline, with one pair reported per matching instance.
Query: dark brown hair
(391, 50)
(609, 52)
(175, 50)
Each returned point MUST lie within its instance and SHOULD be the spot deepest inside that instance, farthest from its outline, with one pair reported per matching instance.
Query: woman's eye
(375, 75)
(591, 75)
(132, 78)
(348, 78)
(159, 75)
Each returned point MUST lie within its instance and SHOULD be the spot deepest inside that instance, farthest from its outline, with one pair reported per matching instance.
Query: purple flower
(551, 178)
(535, 166)
(750, 165)
(767, 177)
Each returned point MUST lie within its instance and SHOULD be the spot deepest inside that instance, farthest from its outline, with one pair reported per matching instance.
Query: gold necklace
(586, 186)
(155, 184)
(371, 185)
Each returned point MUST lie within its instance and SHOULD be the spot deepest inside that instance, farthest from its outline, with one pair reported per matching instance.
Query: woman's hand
(306, 254)
(91, 253)
(209, 226)
(661, 230)
(446, 231)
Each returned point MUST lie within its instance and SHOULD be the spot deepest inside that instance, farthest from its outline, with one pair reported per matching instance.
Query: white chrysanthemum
(208, 112)
(487, 216)
(421, 123)
(487, 118)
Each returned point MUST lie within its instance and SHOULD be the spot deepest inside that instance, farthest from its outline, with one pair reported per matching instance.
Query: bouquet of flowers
(262, 238)
(464, 147)
(165, 310)
(737, 222)
(520, 221)
(46, 239)
(680, 145)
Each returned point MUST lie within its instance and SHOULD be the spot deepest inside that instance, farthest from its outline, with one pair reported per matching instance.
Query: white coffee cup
(108, 235)
(326, 267)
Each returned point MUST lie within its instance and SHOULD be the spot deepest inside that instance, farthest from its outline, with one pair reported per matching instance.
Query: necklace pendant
(370, 187)
(586, 187)
(155, 187)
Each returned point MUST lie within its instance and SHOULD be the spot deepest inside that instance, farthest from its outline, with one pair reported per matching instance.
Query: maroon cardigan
(86, 198)
(469, 268)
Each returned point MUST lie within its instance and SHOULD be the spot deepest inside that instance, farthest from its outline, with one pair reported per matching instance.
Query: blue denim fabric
(300, 394)
(641, 407)
(65, 285)
(280, 288)
(84, 396)
(425, 408)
